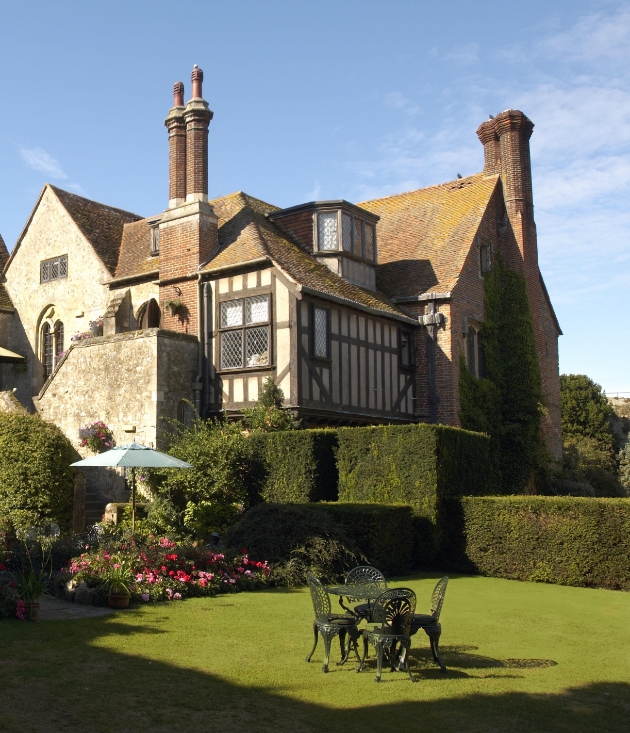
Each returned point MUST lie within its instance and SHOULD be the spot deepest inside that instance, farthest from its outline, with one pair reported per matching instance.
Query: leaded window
(58, 341)
(346, 226)
(485, 258)
(53, 269)
(406, 348)
(47, 350)
(358, 238)
(327, 231)
(320, 332)
(369, 242)
(245, 332)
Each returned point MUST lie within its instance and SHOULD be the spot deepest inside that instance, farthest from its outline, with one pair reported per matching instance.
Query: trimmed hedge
(423, 466)
(382, 534)
(297, 466)
(564, 540)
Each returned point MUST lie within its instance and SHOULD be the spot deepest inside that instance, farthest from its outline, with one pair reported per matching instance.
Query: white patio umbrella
(133, 455)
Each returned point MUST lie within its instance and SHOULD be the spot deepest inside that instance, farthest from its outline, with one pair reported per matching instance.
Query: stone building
(358, 312)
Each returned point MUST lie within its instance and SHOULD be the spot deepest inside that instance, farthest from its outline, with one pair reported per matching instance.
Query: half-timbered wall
(361, 380)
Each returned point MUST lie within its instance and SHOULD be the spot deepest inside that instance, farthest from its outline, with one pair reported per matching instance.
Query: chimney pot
(178, 94)
(197, 80)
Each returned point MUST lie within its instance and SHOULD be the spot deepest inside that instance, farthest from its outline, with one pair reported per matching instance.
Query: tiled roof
(4, 253)
(246, 234)
(101, 225)
(134, 257)
(424, 236)
(5, 300)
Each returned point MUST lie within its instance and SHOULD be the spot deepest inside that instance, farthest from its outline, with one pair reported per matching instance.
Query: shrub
(423, 466)
(327, 539)
(36, 480)
(212, 494)
(297, 466)
(564, 540)
(267, 416)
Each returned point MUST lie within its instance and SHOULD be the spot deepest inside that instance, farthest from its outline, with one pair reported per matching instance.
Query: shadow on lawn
(64, 676)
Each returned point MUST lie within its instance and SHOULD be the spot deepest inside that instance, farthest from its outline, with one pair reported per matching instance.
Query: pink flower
(20, 609)
(177, 597)
(116, 565)
(139, 577)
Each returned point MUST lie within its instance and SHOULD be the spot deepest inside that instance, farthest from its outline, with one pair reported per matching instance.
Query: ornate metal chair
(393, 610)
(431, 623)
(364, 575)
(330, 624)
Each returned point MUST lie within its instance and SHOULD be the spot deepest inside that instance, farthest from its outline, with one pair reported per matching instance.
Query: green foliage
(36, 481)
(422, 466)
(219, 483)
(296, 466)
(589, 457)
(507, 404)
(267, 416)
(564, 540)
(327, 539)
(624, 467)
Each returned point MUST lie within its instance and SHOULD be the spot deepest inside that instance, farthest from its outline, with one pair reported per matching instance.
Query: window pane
(471, 350)
(232, 313)
(327, 230)
(369, 242)
(48, 350)
(485, 252)
(405, 348)
(257, 346)
(257, 309)
(59, 339)
(45, 271)
(481, 357)
(63, 266)
(232, 350)
(320, 332)
(346, 226)
(358, 238)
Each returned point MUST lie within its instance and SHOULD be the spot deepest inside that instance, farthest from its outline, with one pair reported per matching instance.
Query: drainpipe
(198, 384)
(433, 319)
(207, 319)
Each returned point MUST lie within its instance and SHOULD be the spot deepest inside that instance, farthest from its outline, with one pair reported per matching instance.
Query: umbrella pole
(133, 501)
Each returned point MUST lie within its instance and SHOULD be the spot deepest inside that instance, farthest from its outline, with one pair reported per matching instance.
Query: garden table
(359, 592)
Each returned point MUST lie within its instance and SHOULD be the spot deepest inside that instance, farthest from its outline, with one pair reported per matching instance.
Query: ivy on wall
(507, 404)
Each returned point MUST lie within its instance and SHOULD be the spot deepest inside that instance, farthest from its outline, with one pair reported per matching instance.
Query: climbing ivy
(507, 404)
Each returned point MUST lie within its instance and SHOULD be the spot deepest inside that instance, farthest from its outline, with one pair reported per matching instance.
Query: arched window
(185, 413)
(47, 350)
(58, 340)
(150, 315)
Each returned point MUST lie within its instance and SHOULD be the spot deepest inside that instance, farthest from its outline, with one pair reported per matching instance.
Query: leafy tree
(268, 416)
(36, 481)
(624, 468)
(586, 412)
(507, 404)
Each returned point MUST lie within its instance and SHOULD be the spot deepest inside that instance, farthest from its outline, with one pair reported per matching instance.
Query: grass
(521, 657)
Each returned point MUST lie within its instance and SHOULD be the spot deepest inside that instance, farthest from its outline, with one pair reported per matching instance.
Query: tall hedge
(297, 466)
(564, 540)
(423, 466)
(36, 481)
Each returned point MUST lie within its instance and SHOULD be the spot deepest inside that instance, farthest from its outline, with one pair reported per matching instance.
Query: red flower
(2, 567)
(243, 551)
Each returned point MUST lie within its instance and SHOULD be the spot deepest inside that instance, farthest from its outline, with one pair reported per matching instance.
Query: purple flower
(145, 597)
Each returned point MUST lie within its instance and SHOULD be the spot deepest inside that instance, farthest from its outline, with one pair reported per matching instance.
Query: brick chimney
(197, 116)
(177, 148)
(487, 134)
(188, 228)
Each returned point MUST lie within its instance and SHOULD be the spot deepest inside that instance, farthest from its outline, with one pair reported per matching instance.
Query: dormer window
(154, 248)
(357, 235)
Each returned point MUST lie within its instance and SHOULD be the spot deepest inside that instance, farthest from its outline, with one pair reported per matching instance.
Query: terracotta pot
(118, 601)
(31, 611)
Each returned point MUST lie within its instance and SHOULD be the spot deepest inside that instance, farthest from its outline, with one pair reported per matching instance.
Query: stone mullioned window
(53, 269)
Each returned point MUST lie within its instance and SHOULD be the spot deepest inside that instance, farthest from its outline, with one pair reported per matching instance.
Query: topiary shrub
(36, 480)
(564, 540)
(297, 466)
(422, 466)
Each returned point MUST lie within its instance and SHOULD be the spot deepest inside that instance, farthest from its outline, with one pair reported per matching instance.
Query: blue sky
(340, 99)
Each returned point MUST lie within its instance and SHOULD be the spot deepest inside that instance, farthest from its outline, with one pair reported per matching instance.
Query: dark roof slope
(101, 225)
(4, 254)
(424, 236)
(5, 299)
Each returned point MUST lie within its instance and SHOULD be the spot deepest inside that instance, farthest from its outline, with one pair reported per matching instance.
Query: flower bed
(163, 570)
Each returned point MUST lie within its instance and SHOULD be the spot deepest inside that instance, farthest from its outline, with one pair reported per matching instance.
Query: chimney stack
(176, 127)
(197, 116)
(487, 134)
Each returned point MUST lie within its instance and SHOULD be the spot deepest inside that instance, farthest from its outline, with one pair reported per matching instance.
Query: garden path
(54, 609)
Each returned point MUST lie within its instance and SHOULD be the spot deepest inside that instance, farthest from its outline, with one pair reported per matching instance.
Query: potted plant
(116, 581)
(97, 437)
(175, 306)
(29, 588)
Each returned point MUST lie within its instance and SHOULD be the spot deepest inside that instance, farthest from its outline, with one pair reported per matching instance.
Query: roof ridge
(427, 188)
(57, 190)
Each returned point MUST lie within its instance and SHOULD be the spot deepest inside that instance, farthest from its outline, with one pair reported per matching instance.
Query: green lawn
(521, 657)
